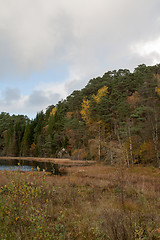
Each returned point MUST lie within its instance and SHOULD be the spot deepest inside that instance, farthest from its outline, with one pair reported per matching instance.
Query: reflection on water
(24, 165)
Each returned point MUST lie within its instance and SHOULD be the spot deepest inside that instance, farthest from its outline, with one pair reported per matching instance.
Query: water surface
(25, 165)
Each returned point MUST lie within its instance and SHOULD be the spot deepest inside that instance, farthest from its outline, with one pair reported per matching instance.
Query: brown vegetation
(91, 202)
(61, 161)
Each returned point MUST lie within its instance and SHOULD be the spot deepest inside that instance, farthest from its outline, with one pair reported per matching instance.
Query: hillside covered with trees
(115, 118)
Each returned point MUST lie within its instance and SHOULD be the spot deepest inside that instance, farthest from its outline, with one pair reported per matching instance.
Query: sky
(49, 48)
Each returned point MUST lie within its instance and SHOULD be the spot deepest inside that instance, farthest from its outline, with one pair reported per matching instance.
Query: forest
(114, 119)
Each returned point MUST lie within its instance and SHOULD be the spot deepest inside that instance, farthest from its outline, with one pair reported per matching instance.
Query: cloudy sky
(48, 48)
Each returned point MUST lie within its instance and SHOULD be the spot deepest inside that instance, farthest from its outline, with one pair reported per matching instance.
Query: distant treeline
(115, 118)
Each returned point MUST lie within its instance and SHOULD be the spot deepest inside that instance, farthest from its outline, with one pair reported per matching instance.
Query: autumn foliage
(114, 119)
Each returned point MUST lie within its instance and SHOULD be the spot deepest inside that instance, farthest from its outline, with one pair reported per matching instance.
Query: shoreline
(62, 161)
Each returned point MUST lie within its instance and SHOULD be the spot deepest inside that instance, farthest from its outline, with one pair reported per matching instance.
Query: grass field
(91, 202)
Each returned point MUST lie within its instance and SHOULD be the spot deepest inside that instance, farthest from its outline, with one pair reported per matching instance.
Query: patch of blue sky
(23, 86)
(52, 75)
(26, 83)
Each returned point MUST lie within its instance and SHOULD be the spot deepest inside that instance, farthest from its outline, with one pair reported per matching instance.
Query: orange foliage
(157, 90)
(4, 133)
(93, 148)
(32, 148)
(69, 114)
(79, 154)
(134, 99)
(45, 129)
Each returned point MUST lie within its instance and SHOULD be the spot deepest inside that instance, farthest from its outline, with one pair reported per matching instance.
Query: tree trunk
(155, 139)
(99, 143)
(131, 145)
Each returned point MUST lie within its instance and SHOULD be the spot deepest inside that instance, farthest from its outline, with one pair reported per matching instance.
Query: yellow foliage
(147, 151)
(52, 113)
(101, 93)
(85, 112)
(157, 90)
(143, 147)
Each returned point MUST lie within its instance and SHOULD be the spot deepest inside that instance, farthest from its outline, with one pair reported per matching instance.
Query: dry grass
(61, 161)
(92, 202)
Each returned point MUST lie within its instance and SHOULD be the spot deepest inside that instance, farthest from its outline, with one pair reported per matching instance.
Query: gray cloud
(90, 37)
(14, 102)
(35, 33)
(39, 98)
(11, 95)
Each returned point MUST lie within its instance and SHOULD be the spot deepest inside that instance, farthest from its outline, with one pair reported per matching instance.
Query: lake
(25, 165)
